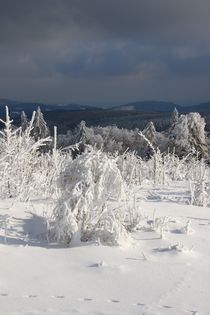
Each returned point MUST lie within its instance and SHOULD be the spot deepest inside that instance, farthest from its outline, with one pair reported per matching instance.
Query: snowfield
(163, 271)
(60, 208)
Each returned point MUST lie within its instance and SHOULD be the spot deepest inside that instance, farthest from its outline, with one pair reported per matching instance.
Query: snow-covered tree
(40, 129)
(150, 132)
(24, 120)
(188, 134)
(198, 138)
(174, 117)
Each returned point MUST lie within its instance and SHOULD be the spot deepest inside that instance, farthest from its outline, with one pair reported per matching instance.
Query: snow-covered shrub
(47, 173)
(189, 167)
(24, 169)
(186, 229)
(52, 164)
(157, 224)
(131, 167)
(81, 212)
(176, 168)
(134, 216)
(197, 173)
(156, 162)
(199, 193)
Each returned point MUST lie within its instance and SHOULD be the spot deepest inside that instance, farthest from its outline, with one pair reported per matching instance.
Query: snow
(163, 271)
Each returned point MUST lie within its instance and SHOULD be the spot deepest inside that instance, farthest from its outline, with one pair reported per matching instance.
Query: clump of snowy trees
(186, 134)
(91, 181)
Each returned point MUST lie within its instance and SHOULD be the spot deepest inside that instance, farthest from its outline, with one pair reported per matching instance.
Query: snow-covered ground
(161, 272)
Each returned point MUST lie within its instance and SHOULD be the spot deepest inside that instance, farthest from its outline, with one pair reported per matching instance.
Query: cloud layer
(105, 51)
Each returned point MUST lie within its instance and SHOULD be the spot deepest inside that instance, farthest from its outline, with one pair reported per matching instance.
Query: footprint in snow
(3, 294)
(85, 299)
(166, 306)
(58, 296)
(114, 301)
(139, 304)
(30, 296)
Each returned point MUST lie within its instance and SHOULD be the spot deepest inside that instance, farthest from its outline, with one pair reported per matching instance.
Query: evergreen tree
(174, 116)
(188, 134)
(150, 133)
(81, 133)
(198, 139)
(24, 120)
(40, 130)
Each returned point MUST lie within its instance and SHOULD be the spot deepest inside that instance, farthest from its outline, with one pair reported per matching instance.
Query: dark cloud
(98, 61)
(140, 19)
(146, 20)
(66, 49)
(191, 67)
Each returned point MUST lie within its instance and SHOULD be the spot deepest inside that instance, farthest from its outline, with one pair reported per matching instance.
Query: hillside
(142, 106)
(149, 106)
(28, 107)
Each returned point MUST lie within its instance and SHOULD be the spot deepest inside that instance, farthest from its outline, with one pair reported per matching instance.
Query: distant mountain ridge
(201, 108)
(28, 107)
(148, 106)
(161, 106)
(142, 106)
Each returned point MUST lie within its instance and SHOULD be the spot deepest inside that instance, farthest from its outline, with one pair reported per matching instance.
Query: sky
(105, 51)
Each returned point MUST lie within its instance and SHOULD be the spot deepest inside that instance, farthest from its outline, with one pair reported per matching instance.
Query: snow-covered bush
(88, 183)
(131, 167)
(24, 169)
(156, 161)
(199, 193)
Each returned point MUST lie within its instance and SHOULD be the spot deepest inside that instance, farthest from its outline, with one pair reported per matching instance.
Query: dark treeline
(123, 119)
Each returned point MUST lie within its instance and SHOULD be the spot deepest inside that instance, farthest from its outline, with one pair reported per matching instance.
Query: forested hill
(143, 106)
(130, 116)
